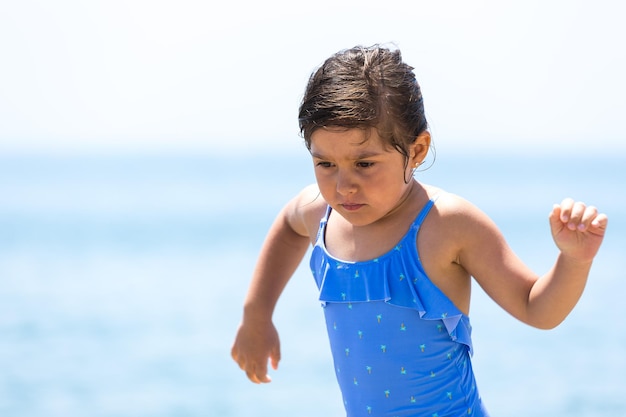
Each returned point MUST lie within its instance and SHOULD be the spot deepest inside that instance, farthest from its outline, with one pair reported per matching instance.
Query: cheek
(324, 182)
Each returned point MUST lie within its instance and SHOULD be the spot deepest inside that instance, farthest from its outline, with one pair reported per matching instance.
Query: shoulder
(453, 207)
(458, 219)
(304, 212)
(457, 240)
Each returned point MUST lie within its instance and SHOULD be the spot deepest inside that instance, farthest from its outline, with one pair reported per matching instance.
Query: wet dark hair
(365, 87)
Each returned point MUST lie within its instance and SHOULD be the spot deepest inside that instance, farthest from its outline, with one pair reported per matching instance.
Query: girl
(392, 257)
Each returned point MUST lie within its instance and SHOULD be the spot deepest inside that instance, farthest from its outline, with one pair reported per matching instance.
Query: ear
(419, 148)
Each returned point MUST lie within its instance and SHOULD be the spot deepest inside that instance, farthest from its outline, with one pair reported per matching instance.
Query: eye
(363, 164)
(323, 164)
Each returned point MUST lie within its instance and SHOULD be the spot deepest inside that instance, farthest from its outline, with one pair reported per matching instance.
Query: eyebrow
(362, 155)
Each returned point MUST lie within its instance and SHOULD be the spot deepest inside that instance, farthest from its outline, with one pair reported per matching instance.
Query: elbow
(546, 326)
(545, 323)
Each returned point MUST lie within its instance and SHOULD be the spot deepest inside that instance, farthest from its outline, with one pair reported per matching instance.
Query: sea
(122, 278)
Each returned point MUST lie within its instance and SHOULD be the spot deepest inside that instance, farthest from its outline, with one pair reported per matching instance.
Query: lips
(351, 206)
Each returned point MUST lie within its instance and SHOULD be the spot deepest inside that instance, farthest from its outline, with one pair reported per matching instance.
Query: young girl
(392, 257)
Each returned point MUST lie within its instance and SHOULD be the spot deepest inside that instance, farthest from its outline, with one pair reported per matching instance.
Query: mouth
(351, 207)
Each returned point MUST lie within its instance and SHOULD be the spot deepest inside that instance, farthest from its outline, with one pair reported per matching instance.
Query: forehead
(333, 141)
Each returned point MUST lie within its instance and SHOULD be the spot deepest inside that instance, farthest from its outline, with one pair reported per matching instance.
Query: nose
(345, 183)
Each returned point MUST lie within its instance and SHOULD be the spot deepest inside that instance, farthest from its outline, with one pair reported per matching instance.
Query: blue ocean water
(122, 279)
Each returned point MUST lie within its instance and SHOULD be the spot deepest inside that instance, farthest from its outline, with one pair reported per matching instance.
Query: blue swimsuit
(400, 346)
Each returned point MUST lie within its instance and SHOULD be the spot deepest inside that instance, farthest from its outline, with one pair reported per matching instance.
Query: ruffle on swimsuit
(397, 278)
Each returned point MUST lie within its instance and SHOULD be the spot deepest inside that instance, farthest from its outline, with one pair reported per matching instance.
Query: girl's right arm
(285, 245)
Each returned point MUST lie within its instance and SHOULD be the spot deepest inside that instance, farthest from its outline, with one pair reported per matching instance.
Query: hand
(254, 344)
(577, 229)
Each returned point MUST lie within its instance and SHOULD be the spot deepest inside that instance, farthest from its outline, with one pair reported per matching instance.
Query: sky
(531, 76)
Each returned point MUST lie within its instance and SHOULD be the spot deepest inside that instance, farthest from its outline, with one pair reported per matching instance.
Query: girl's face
(358, 175)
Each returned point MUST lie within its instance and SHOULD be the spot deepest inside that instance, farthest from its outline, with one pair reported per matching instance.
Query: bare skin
(373, 207)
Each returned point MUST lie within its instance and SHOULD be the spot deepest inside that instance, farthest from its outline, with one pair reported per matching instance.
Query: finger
(261, 372)
(566, 209)
(599, 223)
(265, 379)
(576, 215)
(556, 225)
(555, 214)
(252, 376)
(257, 371)
(241, 363)
(258, 376)
(589, 214)
(235, 355)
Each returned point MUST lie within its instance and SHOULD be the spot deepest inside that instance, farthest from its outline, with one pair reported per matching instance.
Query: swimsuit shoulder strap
(424, 212)
(322, 229)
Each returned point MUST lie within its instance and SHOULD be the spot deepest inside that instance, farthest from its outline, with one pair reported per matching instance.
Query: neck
(411, 191)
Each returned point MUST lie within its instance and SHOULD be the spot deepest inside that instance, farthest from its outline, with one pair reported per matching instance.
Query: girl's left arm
(540, 301)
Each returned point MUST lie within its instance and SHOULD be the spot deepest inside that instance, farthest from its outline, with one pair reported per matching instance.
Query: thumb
(556, 223)
(275, 357)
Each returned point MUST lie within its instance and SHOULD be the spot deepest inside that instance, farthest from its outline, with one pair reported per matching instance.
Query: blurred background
(145, 148)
